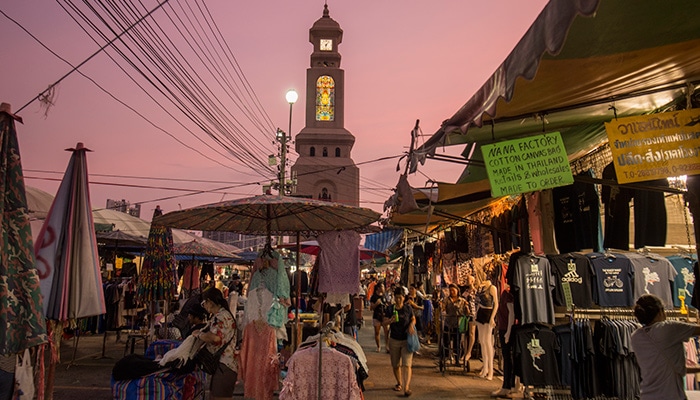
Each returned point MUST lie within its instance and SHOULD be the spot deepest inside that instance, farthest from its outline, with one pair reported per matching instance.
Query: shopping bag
(24, 377)
(413, 342)
(463, 324)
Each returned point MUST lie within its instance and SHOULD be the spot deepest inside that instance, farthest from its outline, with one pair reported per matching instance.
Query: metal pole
(283, 156)
(282, 136)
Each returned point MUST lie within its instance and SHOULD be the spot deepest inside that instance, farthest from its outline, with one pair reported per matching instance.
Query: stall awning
(579, 64)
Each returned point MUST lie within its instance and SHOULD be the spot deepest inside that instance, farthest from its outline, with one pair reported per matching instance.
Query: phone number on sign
(648, 172)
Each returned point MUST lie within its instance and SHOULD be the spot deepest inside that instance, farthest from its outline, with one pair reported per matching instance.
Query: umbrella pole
(54, 346)
(297, 325)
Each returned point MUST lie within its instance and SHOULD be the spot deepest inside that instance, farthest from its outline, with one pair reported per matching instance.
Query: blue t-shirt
(684, 280)
(614, 280)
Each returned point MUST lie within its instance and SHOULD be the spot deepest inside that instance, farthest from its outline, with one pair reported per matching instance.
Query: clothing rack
(324, 333)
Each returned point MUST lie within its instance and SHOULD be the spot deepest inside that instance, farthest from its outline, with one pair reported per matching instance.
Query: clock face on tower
(326, 45)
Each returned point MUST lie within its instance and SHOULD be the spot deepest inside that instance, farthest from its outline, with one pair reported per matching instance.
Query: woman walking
(378, 307)
(403, 324)
(221, 331)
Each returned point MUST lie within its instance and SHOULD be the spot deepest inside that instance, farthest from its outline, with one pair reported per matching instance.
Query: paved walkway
(427, 382)
(89, 376)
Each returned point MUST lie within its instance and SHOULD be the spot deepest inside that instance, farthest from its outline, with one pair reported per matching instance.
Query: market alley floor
(88, 377)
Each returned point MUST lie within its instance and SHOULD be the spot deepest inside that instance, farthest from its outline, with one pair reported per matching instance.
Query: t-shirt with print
(576, 271)
(533, 283)
(535, 353)
(661, 358)
(685, 280)
(653, 274)
(614, 278)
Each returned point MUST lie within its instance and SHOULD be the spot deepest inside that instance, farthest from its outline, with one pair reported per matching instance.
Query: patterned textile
(259, 367)
(273, 279)
(157, 349)
(339, 262)
(338, 380)
(223, 325)
(157, 280)
(22, 316)
(160, 386)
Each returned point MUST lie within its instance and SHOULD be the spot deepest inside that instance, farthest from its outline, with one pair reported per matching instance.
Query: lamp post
(291, 97)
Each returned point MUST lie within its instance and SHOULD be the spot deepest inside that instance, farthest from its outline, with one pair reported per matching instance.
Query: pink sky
(403, 60)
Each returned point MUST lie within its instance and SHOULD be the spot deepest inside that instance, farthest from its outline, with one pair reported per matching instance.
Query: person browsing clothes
(658, 347)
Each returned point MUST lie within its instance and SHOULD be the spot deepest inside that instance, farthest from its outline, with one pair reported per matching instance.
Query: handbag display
(208, 361)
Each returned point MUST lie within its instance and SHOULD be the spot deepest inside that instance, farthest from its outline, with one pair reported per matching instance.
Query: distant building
(243, 242)
(125, 207)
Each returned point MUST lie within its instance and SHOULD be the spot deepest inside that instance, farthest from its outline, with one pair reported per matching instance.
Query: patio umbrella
(67, 258)
(117, 239)
(157, 281)
(66, 249)
(22, 323)
(270, 214)
(205, 247)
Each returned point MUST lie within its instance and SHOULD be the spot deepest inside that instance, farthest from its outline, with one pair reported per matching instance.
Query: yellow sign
(527, 165)
(655, 146)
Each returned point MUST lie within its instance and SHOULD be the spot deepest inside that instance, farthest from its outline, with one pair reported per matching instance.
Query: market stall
(579, 66)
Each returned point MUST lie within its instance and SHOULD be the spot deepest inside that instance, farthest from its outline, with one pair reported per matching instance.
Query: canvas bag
(24, 377)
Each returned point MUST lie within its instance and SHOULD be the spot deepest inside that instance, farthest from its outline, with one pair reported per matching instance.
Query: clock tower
(324, 169)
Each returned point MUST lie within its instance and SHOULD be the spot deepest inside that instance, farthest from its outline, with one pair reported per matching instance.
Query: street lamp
(292, 98)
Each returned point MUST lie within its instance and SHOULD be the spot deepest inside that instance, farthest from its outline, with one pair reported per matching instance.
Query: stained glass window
(325, 98)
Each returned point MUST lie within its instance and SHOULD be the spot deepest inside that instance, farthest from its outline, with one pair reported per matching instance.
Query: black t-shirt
(399, 330)
(378, 312)
(536, 352)
(577, 271)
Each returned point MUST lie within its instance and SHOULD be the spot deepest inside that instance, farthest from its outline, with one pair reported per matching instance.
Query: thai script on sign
(655, 146)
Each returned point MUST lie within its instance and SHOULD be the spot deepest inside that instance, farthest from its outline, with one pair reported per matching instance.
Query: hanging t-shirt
(535, 353)
(534, 283)
(685, 280)
(617, 212)
(653, 274)
(576, 271)
(576, 217)
(614, 280)
(339, 262)
(650, 216)
(546, 207)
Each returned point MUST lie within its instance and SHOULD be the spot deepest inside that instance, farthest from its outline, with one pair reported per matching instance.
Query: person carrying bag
(216, 357)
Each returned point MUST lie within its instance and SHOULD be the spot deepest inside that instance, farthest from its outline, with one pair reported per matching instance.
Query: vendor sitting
(196, 319)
